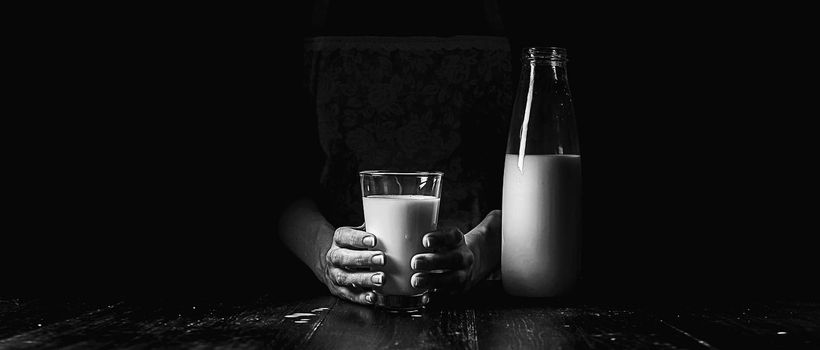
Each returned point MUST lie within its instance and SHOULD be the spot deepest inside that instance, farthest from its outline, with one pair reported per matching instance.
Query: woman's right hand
(347, 262)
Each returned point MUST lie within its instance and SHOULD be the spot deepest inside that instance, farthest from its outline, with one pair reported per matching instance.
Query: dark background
(151, 150)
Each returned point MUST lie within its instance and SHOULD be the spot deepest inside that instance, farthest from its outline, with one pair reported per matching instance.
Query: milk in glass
(399, 223)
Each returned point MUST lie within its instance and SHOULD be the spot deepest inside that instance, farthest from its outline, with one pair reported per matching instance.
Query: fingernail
(369, 298)
(377, 279)
(413, 264)
(378, 259)
(414, 281)
(425, 242)
(369, 241)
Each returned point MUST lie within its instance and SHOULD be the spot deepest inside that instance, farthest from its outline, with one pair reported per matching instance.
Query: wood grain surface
(483, 319)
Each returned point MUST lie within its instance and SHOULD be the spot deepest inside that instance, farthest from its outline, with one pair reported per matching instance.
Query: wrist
(475, 241)
(485, 243)
(319, 261)
(319, 266)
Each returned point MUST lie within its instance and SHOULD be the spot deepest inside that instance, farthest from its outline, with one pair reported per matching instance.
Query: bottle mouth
(551, 53)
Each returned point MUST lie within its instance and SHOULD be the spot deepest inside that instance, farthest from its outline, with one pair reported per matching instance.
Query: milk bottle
(541, 207)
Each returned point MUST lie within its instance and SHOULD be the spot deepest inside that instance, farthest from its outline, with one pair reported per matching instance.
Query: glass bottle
(541, 206)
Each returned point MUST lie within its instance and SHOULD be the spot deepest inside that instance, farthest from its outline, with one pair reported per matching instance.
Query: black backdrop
(153, 157)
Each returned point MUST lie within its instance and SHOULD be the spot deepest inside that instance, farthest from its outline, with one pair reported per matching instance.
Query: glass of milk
(399, 208)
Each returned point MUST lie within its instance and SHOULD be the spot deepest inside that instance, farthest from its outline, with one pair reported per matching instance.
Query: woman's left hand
(456, 263)
(448, 267)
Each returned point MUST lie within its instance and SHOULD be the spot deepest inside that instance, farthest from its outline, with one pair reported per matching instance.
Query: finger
(354, 295)
(342, 277)
(452, 280)
(450, 260)
(349, 237)
(354, 258)
(443, 238)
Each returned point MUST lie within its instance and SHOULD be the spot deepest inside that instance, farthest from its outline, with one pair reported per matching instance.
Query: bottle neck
(545, 77)
(555, 70)
(543, 120)
(548, 62)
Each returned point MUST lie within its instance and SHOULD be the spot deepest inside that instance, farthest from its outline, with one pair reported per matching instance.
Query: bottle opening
(551, 53)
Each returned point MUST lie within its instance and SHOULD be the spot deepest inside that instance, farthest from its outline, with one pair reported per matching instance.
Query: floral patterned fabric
(411, 103)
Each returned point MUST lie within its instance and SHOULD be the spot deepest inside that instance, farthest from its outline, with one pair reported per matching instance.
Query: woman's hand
(458, 261)
(449, 267)
(347, 262)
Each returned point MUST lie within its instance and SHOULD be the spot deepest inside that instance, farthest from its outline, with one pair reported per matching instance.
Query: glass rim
(402, 173)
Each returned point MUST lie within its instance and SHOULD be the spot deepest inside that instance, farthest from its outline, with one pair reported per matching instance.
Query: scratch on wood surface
(701, 342)
(317, 324)
(31, 337)
(472, 334)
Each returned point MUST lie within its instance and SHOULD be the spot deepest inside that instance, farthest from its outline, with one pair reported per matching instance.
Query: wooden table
(484, 319)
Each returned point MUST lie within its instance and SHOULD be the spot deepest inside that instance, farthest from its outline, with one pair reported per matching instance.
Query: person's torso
(411, 103)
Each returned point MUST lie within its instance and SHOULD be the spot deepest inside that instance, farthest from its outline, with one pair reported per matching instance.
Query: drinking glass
(399, 208)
